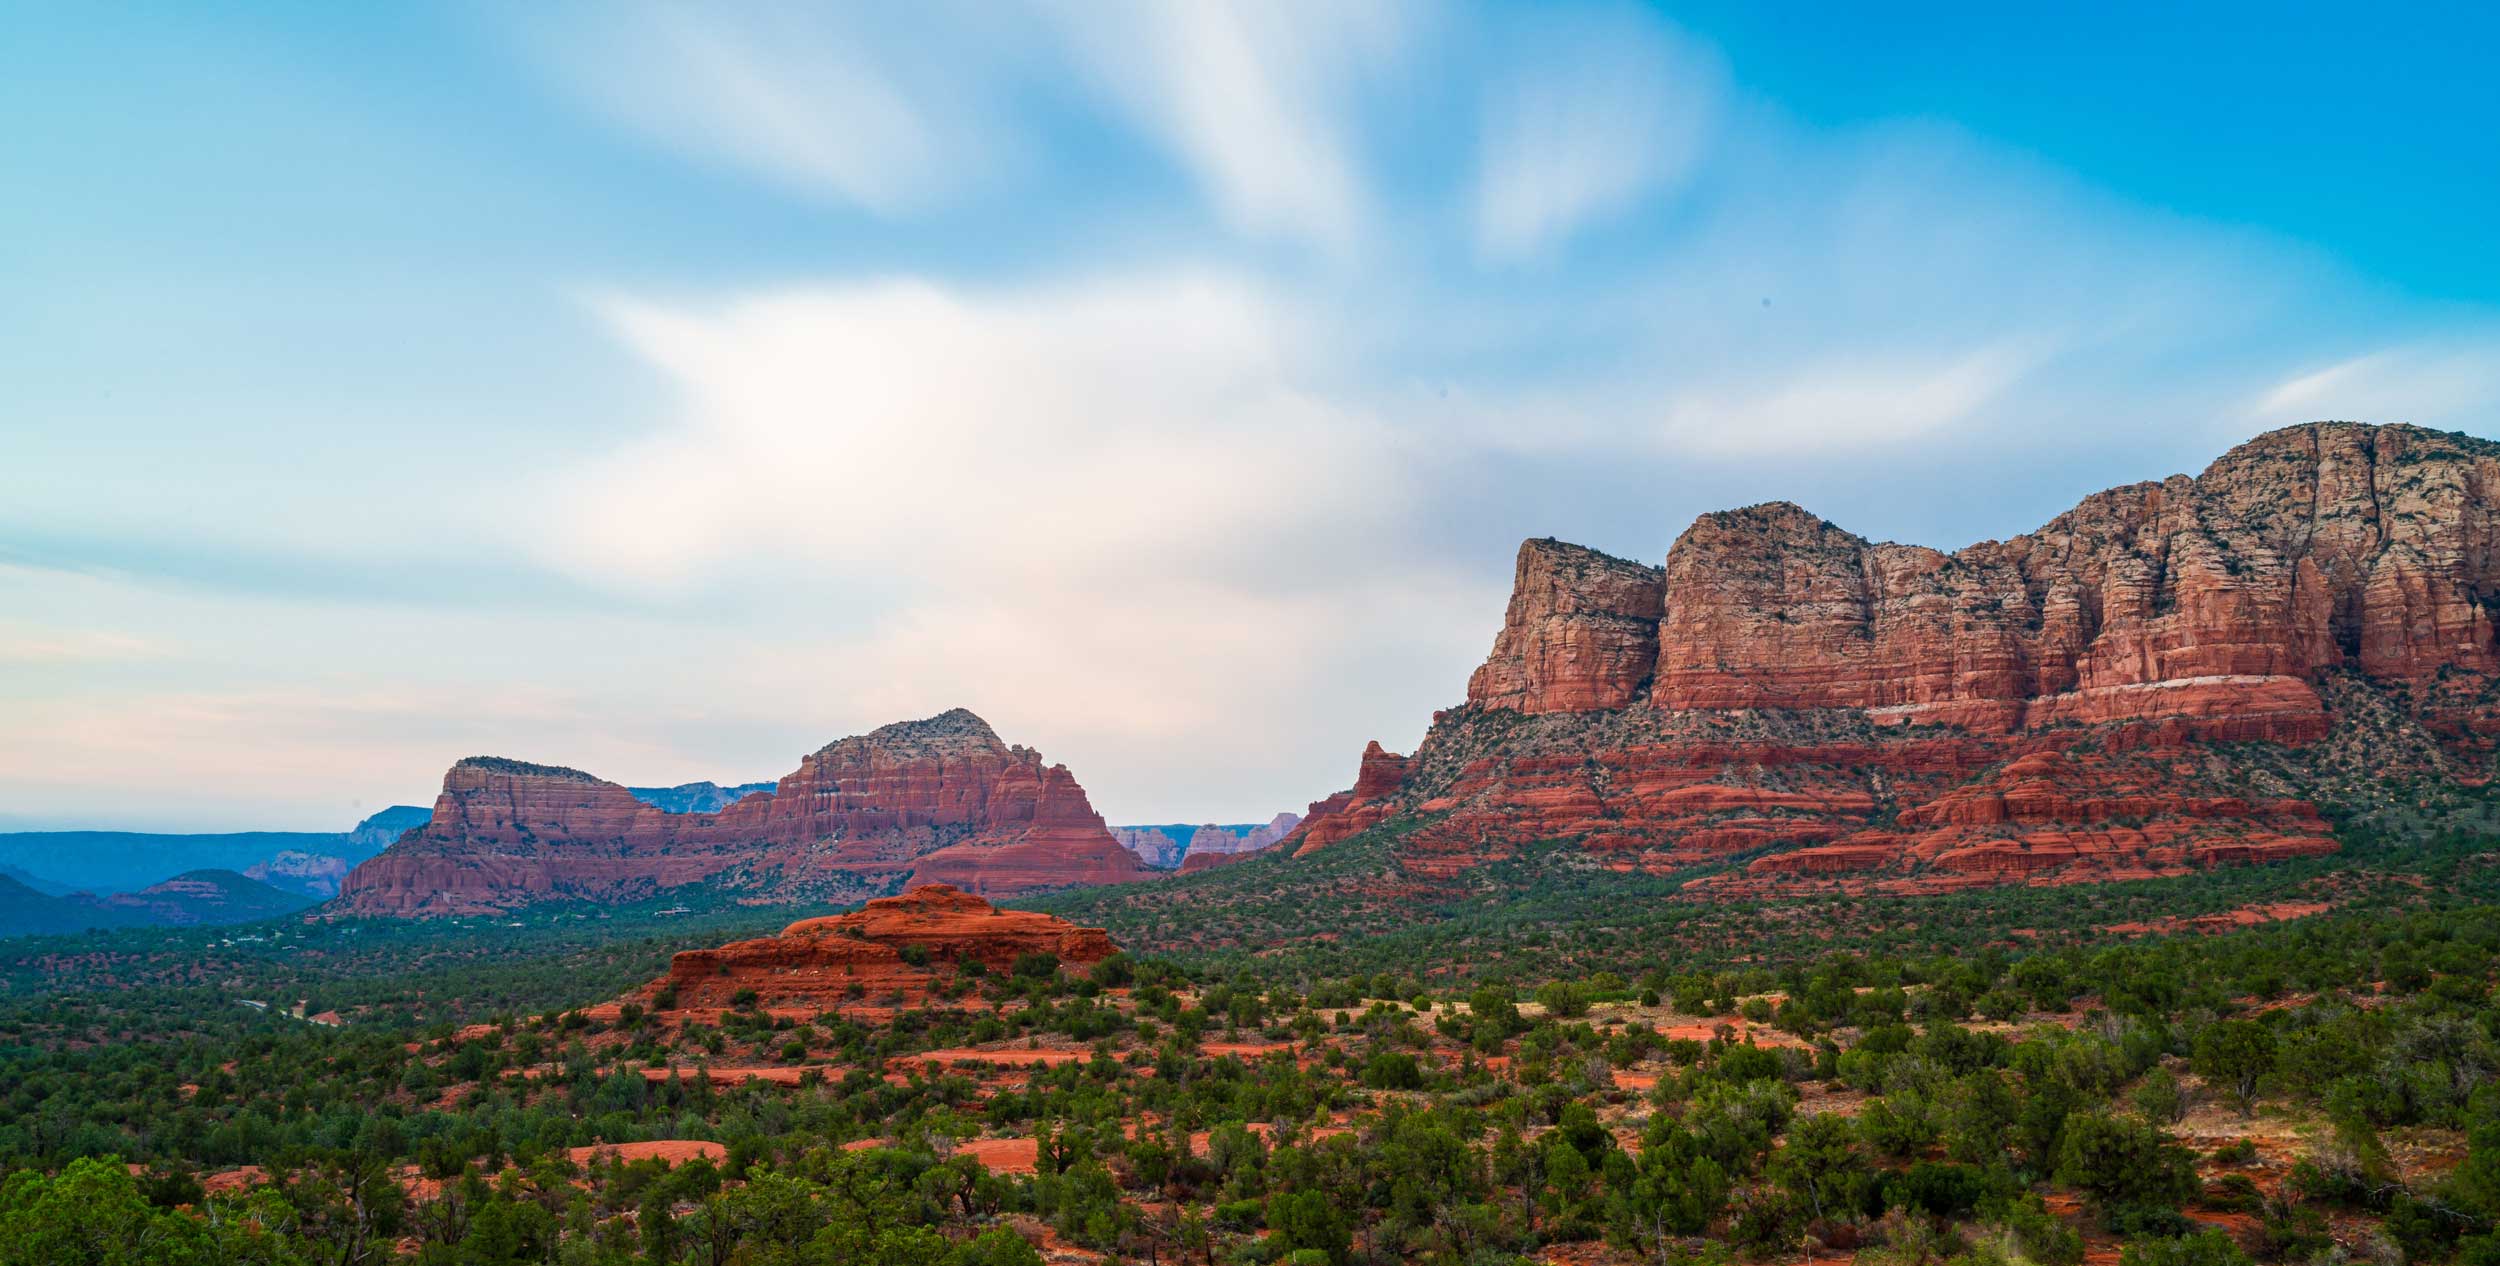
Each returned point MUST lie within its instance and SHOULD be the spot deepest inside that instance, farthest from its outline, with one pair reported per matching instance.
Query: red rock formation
(2043, 709)
(2308, 549)
(1581, 632)
(1195, 862)
(1360, 808)
(922, 801)
(853, 959)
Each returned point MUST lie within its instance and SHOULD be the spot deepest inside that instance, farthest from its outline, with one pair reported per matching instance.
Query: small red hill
(815, 963)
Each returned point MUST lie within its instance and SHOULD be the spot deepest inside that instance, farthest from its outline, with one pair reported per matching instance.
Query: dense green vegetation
(1553, 911)
(2284, 1093)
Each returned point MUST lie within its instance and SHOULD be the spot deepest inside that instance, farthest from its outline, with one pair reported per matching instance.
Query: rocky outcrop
(1272, 831)
(1359, 808)
(378, 831)
(1581, 632)
(885, 954)
(1188, 848)
(1161, 847)
(940, 800)
(2055, 707)
(1214, 846)
(1197, 862)
(2304, 551)
(315, 875)
(1211, 838)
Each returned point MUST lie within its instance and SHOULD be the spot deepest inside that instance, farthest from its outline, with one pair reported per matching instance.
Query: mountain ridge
(2065, 705)
(938, 800)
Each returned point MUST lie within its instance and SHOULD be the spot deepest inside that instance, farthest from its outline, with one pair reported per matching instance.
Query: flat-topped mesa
(1721, 705)
(857, 959)
(936, 800)
(2309, 549)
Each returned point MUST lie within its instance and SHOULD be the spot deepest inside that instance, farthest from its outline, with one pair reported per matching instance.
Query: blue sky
(667, 390)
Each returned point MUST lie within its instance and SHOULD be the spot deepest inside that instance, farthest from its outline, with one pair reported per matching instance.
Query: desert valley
(2124, 884)
(1249, 633)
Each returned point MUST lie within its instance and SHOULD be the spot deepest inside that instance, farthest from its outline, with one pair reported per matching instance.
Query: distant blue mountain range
(105, 862)
(698, 797)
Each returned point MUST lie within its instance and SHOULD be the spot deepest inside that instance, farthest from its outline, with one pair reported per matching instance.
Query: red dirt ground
(674, 1151)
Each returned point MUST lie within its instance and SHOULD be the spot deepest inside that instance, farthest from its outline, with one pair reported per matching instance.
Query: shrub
(1393, 1070)
(2205, 1248)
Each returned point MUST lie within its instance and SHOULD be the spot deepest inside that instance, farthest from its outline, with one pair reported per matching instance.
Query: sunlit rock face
(2054, 708)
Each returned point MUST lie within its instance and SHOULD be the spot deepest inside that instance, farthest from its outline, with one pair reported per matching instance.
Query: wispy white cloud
(853, 423)
(2441, 382)
(1102, 513)
(1596, 112)
(1839, 407)
(1175, 505)
(897, 109)
(1254, 98)
(835, 102)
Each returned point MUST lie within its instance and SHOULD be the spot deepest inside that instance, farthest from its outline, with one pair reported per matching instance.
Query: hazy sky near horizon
(668, 389)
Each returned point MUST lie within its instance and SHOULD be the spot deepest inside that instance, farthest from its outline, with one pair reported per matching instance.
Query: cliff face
(1272, 831)
(315, 875)
(923, 801)
(2310, 549)
(1188, 848)
(1154, 846)
(1214, 846)
(1368, 803)
(376, 833)
(2040, 709)
(1581, 632)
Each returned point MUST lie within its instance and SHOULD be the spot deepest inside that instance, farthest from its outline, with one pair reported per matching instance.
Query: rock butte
(1207, 846)
(940, 800)
(815, 964)
(1152, 846)
(2053, 708)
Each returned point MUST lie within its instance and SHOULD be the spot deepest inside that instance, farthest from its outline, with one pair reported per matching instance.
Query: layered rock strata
(2064, 705)
(937, 801)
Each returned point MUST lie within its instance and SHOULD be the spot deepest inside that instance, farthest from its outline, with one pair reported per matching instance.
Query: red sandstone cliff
(2041, 709)
(1363, 806)
(1581, 632)
(940, 800)
(858, 959)
(2318, 547)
